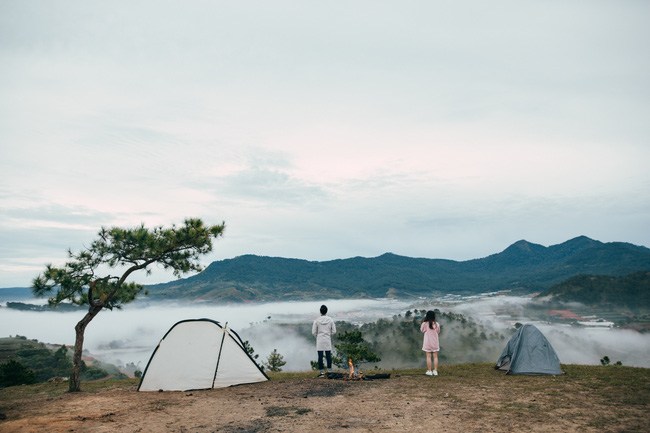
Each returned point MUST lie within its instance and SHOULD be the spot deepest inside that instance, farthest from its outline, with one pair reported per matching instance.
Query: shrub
(14, 373)
(275, 361)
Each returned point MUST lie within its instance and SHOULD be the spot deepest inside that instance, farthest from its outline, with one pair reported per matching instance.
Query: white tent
(199, 354)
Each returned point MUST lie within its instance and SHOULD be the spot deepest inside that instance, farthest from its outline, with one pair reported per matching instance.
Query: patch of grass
(302, 410)
(281, 375)
(49, 390)
(600, 422)
(255, 426)
(286, 411)
(277, 411)
(627, 389)
(159, 405)
(23, 392)
(628, 386)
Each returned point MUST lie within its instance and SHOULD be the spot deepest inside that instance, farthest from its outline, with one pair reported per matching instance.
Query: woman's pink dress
(431, 342)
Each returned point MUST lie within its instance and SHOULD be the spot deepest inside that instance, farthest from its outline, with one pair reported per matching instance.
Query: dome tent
(529, 352)
(199, 354)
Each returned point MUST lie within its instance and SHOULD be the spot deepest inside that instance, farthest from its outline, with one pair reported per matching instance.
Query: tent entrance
(199, 354)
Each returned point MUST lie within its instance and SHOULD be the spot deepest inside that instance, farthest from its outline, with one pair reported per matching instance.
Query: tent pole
(216, 369)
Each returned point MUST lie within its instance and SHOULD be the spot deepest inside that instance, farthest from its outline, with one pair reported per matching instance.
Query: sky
(322, 130)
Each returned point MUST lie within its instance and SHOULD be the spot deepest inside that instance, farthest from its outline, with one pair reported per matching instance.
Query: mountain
(15, 294)
(630, 291)
(523, 266)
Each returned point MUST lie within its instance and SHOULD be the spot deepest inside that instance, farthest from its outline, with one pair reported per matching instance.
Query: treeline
(22, 306)
(630, 291)
(24, 361)
(398, 341)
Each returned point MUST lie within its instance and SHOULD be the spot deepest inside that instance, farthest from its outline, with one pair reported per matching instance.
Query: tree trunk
(80, 328)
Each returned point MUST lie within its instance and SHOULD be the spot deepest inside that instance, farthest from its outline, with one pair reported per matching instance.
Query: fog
(573, 344)
(131, 334)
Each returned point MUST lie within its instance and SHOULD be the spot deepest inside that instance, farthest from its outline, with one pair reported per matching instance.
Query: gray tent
(529, 352)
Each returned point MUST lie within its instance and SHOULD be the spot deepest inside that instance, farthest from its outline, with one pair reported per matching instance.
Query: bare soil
(471, 398)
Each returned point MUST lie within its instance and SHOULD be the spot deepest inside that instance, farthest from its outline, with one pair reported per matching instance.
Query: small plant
(251, 352)
(606, 361)
(249, 349)
(275, 361)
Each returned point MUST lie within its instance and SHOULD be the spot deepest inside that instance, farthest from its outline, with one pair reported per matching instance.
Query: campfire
(354, 373)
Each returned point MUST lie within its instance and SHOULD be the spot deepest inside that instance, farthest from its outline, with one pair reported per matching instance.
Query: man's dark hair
(323, 310)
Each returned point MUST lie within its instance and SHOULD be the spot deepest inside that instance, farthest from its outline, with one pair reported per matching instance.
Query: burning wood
(354, 373)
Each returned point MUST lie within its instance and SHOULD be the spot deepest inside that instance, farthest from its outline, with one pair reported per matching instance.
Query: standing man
(323, 329)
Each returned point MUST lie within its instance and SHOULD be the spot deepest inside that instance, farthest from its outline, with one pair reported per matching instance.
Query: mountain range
(523, 267)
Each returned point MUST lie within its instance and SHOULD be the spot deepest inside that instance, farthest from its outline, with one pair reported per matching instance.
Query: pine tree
(275, 361)
(352, 350)
(86, 279)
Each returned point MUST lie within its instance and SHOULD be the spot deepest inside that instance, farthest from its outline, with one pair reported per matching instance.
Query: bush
(91, 373)
(14, 373)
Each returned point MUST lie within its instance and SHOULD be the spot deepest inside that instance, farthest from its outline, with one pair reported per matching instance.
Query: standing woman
(323, 328)
(431, 345)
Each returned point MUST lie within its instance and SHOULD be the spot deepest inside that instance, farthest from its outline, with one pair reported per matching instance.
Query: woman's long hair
(430, 317)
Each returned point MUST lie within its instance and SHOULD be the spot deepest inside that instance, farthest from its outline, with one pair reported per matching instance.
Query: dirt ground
(462, 400)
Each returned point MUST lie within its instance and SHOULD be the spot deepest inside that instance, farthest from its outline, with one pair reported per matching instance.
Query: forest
(25, 361)
(631, 291)
(398, 341)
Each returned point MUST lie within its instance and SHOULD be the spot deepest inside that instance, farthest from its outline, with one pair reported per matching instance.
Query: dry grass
(464, 398)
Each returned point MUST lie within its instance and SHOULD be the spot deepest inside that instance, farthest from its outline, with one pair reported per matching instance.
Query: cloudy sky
(323, 130)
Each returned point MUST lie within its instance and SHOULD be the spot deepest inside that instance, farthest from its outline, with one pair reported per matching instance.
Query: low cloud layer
(132, 334)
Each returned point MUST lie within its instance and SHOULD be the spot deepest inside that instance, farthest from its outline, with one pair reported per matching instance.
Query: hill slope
(523, 266)
(631, 291)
